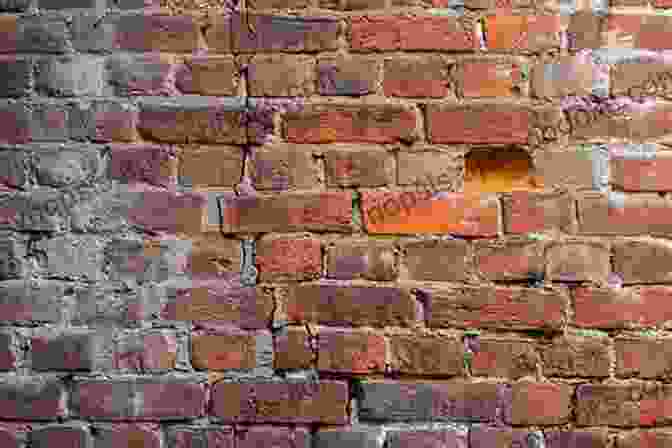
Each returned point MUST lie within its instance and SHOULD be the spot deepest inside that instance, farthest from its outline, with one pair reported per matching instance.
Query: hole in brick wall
(499, 171)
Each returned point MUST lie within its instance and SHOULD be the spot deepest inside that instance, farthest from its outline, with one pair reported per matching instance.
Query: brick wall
(335, 223)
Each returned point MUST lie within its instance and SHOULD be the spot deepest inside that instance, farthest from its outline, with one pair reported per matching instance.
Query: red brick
(192, 119)
(636, 214)
(168, 211)
(147, 351)
(276, 402)
(405, 32)
(9, 30)
(647, 358)
(523, 33)
(641, 175)
(535, 212)
(370, 123)
(283, 33)
(452, 213)
(149, 399)
(13, 435)
(420, 354)
(282, 166)
(643, 260)
(490, 78)
(577, 356)
(493, 123)
(504, 357)
(481, 436)
(330, 304)
(158, 32)
(146, 435)
(655, 408)
(277, 437)
(540, 403)
(73, 435)
(649, 32)
(510, 259)
(645, 439)
(622, 308)
(293, 349)
(585, 438)
(349, 351)
(231, 349)
(577, 261)
(212, 436)
(281, 75)
(209, 75)
(218, 301)
(291, 212)
(366, 166)
(368, 259)
(288, 258)
(498, 307)
(416, 77)
(154, 164)
(437, 260)
(211, 166)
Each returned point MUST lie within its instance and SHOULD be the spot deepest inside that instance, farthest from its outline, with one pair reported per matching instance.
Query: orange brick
(519, 32)
(489, 78)
(415, 212)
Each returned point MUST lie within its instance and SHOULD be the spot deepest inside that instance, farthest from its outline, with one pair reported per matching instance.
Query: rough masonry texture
(335, 224)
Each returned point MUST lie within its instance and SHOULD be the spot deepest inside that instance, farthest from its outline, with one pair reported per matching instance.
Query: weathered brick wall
(352, 223)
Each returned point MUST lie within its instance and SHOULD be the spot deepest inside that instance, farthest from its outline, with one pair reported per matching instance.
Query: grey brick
(73, 256)
(13, 249)
(14, 167)
(15, 76)
(46, 33)
(135, 4)
(455, 401)
(14, 5)
(351, 437)
(145, 74)
(70, 75)
(77, 164)
(32, 300)
(51, 435)
(73, 4)
(93, 32)
(103, 305)
(49, 121)
(74, 350)
(130, 261)
(31, 398)
(102, 120)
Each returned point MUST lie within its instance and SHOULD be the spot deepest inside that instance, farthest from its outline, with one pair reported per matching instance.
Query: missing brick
(499, 171)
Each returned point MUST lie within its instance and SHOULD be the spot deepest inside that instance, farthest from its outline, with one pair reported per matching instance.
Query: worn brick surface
(335, 223)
